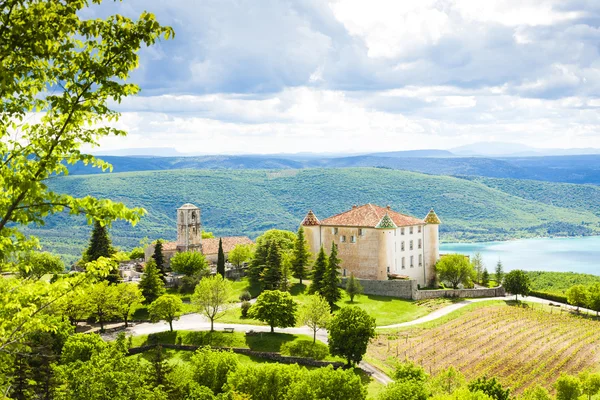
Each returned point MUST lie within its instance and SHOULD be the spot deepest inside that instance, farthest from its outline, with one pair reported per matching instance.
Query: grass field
(521, 345)
(385, 310)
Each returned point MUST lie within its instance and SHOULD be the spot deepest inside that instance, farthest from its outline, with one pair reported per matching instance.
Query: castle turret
(189, 228)
(386, 245)
(432, 244)
(312, 232)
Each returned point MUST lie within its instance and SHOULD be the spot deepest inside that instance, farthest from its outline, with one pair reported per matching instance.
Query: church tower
(189, 228)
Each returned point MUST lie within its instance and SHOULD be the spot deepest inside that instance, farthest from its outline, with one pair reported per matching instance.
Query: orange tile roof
(169, 246)
(211, 246)
(369, 215)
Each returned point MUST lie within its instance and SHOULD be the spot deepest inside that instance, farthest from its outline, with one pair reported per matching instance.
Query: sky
(287, 76)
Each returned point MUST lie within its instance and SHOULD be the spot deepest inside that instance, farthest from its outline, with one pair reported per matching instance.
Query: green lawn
(385, 310)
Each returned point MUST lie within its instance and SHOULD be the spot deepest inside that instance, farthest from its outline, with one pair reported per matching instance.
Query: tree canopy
(455, 269)
(189, 263)
(211, 296)
(349, 333)
(517, 282)
(276, 308)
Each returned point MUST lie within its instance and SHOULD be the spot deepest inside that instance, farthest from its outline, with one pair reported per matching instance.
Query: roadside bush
(188, 284)
(245, 307)
(305, 348)
(550, 296)
(245, 296)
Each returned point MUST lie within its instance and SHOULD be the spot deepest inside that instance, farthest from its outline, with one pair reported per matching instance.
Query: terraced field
(520, 345)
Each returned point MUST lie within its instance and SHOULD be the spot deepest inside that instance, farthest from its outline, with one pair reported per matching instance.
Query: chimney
(388, 207)
(353, 206)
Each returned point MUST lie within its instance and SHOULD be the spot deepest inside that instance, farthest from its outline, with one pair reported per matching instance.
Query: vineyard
(520, 345)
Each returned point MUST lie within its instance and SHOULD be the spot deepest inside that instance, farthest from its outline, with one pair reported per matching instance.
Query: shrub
(245, 307)
(188, 284)
(245, 296)
(305, 348)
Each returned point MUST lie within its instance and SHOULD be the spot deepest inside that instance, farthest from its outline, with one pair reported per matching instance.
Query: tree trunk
(126, 320)
(212, 328)
(101, 320)
(171, 325)
(272, 329)
(314, 336)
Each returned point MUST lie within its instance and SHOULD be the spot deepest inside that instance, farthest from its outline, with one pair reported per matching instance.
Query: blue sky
(267, 76)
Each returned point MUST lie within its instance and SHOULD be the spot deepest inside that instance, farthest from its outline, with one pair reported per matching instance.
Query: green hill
(248, 202)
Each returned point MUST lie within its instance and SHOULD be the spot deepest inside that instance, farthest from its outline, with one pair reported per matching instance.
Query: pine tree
(259, 260)
(331, 279)
(161, 368)
(159, 259)
(272, 274)
(353, 287)
(301, 256)
(499, 273)
(101, 246)
(319, 268)
(485, 278)
(221, 260)
(151, 285)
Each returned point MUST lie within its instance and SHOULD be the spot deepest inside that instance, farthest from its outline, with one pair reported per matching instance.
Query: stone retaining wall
(408, 289)
(277, 357)
(403, 289)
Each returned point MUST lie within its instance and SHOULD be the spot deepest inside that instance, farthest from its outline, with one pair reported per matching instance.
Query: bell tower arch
(189, 228)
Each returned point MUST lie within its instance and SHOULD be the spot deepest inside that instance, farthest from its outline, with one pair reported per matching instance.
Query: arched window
(193, 216)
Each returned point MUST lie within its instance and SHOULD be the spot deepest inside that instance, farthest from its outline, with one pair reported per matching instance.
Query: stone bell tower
(189, 228)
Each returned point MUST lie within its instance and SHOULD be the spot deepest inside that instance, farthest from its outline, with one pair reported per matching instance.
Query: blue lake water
(560, 254)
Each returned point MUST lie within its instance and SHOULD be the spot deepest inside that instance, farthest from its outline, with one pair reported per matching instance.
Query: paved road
(197, 322)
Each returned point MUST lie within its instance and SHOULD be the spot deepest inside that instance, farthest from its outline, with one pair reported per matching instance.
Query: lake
(560, 254)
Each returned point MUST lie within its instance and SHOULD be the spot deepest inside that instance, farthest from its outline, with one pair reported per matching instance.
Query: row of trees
(456, 269)
(585, 296)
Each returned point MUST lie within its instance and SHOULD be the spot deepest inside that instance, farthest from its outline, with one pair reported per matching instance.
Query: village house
(377, 242)
(189, 238)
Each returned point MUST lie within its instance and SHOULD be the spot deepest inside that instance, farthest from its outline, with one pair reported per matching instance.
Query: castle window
(388, 270)
(420, 243)
(402, 246)
(402, 231)
(403, 262)
(420, 260)
(193, 216)
(410, 230)
(410, 246)
(352, 239)
(412, 261)
(419, 228)
(342, 239)
(334, 230)
(361, 232)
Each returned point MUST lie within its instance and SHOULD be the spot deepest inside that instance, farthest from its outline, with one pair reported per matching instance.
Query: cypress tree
(221, 260)
(301, 256)
(331, 279)
(101, 246)
(318, 273)
(151, 285)
(159, 259)
(272, 275)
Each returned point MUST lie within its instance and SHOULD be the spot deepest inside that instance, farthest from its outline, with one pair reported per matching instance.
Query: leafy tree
(137, 253)
(74, 305)
(536, 393)
(276, 308)
(240, 254)
(286, 272)
(485, 278)
(353, 287)
(448, 381)
(499, 273)
(331, 279)
(189, 263)
(318, 273)
(478, 266)
(36, 264)
(463, 394)
(301, 256)
(577, 296)
(517, 282)
(284, 239)
(315, 314)
(491, 387)
(167, 307)
(405, 390)
(594, 298)
(272, 274)
(211, 296)
(590, 383)
(221, 259)
(102, 299)
(159, 259)
(409, 371)
(128, 296)
(349, 333)
(212, 367)
(81, 347)
(326, 383)
(455, 269)
(151, 285)
(567, 387)
(207, 235)
(265, 381)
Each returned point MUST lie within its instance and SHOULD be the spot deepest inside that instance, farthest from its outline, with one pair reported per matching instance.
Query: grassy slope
(249, 202)
(559, 282)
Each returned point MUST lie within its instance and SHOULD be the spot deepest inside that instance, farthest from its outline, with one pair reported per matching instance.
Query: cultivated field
(520, 345)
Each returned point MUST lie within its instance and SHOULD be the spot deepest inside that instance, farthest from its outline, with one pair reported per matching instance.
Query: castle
(189, 238)
(375, 242)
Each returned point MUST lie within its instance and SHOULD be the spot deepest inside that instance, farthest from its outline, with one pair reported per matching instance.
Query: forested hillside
(248, 202)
